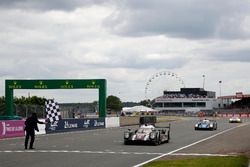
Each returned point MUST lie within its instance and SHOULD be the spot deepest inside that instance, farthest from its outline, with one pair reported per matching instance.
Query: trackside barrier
(127, 121)
(14, 128)
(41, 128)
(109, 123)
(66, 125)
(112, 122)
(242, 115)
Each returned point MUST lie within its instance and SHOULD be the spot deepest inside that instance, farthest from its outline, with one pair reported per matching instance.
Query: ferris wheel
(162, 81)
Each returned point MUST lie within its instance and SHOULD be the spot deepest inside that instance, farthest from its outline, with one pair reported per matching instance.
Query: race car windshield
(205, 121)
(144, 130)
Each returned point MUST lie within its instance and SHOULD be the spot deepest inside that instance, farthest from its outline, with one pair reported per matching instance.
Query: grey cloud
(42, 5)
(231, 55)
(41, 68)
(193, 19)
(139, 62)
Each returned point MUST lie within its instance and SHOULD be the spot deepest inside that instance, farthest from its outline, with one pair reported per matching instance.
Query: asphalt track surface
(104, 147)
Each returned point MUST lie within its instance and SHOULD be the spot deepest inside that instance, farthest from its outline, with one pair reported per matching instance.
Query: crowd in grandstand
(180, 95)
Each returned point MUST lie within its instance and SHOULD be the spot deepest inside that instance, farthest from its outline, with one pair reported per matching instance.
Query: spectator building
(187, 100)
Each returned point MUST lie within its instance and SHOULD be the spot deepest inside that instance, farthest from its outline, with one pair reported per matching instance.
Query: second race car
(206, 124)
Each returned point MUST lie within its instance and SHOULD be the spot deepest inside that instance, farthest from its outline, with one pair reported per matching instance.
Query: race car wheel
(168, 137)
(157, 140)
(167, 141)
(126, 142)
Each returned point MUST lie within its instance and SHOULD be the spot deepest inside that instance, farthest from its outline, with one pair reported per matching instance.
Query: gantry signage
(99, 84)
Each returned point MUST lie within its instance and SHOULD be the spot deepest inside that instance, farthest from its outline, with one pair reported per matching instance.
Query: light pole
(203, 80)
(220, 94)
(220, 87)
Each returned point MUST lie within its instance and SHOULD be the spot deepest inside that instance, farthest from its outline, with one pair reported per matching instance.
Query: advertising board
(13, 128)
(65, 125)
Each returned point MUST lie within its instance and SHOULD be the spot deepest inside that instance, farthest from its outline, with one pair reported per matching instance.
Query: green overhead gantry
(41, 84)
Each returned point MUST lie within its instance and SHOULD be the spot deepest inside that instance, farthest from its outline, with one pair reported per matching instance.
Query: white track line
(62, 133)
(171, 152)
(78, 151)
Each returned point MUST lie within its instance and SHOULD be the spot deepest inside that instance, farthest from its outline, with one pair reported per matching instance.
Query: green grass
(240, 161)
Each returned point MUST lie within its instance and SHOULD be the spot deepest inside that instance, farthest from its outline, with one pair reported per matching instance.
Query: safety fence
(66, 110)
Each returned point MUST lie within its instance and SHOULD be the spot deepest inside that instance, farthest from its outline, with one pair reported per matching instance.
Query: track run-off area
(104, 147)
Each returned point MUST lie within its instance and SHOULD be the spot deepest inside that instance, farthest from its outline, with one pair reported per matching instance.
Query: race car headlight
(126, 135)
(196, 125)
(211, 125)
(152, 135)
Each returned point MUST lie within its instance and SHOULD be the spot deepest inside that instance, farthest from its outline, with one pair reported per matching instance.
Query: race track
(104, 147)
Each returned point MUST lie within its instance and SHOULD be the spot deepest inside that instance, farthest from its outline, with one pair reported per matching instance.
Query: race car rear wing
(151, 120)
(148, 120)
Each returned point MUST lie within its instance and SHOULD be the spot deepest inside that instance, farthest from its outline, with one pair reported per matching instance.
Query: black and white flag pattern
(52, 110)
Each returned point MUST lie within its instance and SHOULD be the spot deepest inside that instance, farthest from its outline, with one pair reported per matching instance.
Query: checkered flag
(52, 110)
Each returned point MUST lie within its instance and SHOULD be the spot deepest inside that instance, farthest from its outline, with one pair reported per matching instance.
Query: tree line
(34, 100)
(113, 102)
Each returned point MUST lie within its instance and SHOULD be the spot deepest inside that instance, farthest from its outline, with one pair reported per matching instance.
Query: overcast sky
(126, 42)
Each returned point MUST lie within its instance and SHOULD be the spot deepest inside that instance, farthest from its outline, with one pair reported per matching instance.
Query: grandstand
(186, 100)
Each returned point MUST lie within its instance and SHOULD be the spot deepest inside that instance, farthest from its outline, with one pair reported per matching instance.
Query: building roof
(140, 109)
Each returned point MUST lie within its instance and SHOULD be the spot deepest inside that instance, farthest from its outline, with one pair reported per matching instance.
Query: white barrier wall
(112, 122)
(41, 128)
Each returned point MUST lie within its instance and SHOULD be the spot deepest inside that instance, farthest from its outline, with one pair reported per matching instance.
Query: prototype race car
(235, 120)
(206, 124)
(147, 134)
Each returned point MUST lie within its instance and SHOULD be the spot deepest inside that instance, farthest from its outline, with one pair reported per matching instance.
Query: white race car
(235, 120)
